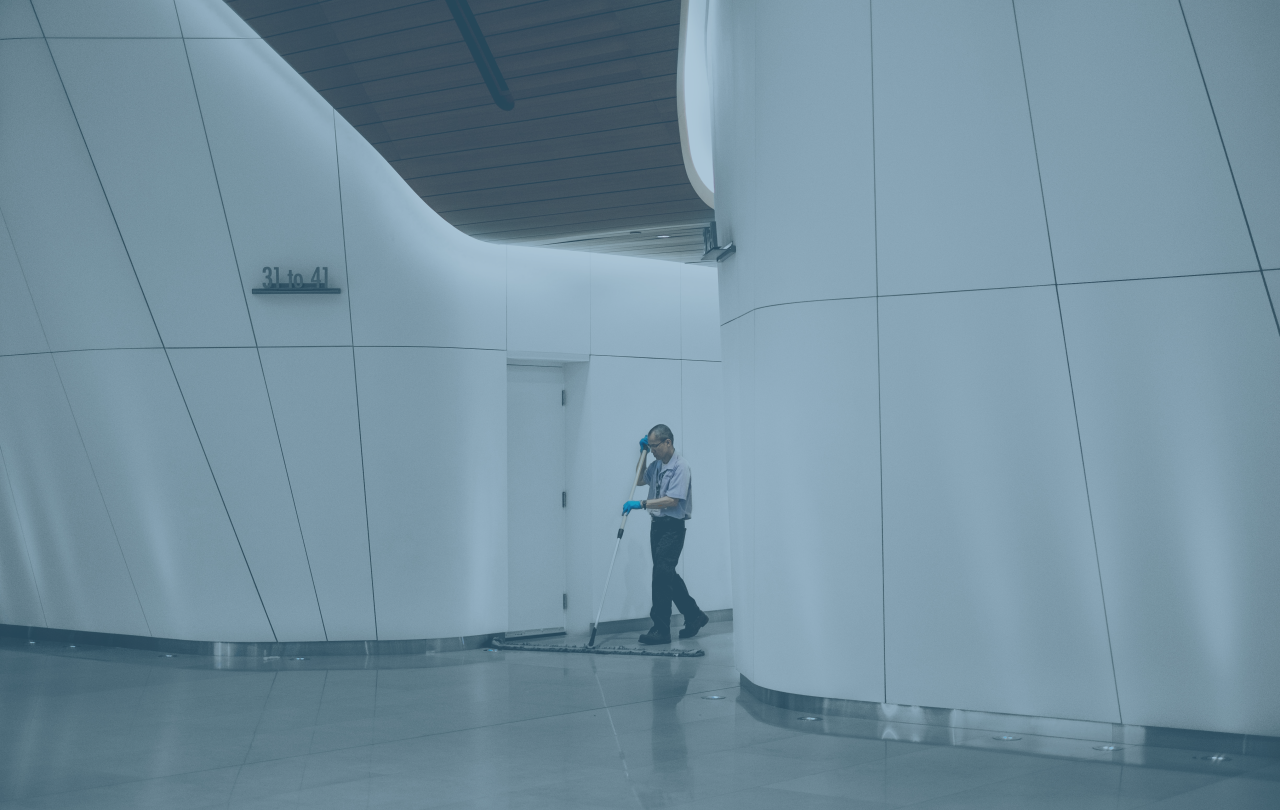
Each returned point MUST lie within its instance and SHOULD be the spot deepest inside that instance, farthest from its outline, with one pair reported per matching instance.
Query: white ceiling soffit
(693, 98)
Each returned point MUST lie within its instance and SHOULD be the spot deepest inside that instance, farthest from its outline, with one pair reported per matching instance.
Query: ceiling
(588, 159)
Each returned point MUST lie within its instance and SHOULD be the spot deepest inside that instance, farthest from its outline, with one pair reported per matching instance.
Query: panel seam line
(142, 292)
(275, 424)
(875, 240)
(355, 373)
(1230, 169)
(1066, 354)
(57, 371)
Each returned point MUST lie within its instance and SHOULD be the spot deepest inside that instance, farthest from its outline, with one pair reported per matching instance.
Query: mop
(502, 644)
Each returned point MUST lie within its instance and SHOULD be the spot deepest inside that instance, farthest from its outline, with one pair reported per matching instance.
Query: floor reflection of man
(672, 782)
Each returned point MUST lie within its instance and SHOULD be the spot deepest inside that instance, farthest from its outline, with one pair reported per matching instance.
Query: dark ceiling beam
(480, 54)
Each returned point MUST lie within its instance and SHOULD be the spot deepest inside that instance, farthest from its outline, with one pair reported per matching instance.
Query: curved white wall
(997, 336)
(180, 458)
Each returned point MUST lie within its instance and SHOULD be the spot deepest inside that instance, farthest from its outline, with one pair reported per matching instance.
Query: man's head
(661, 443)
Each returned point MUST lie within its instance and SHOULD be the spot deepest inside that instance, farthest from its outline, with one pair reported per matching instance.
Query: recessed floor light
(808, 719)
(31, 642)
(71, 646)
(299, 659)
(1006, 737)
(1108, 748)
(664, 236)
(713, 697)
(1217, 758)
(166, 655)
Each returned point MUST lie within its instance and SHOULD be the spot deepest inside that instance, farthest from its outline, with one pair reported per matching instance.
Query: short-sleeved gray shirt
(671, 480)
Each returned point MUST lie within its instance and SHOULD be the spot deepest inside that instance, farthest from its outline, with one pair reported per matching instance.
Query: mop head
(500, 644)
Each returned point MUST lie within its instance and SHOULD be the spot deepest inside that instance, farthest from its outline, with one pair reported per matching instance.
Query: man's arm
(659, 503)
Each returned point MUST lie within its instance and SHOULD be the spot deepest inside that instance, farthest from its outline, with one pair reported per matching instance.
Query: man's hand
(629, 505)
(644, 442)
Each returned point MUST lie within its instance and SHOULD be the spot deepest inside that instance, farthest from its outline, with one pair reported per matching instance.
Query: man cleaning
(670, 502)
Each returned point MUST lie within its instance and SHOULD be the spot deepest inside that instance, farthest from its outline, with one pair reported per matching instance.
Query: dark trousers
(666, 541)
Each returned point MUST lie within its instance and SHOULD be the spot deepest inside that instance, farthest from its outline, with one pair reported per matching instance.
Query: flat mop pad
(499, 644)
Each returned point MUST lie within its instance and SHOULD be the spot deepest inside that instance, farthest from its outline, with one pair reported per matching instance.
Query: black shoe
(654, 637)
(692, 626)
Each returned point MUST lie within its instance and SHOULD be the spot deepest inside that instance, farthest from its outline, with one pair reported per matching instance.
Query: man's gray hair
(662, 433)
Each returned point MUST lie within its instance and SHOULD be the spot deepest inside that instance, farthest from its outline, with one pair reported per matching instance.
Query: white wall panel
(1236, 43)
(992, 596)
(818, 618)
(699, 313)
(705, 562)
(18, 19)
(84, 288)
(1178, 384)
(225, 393)
(548, 301)
(20, 329)
(815, 140)
(417, 281)
(957, 193)
(1135, 180)
(136, 106)
(313, 391)
(82, 576)
(731, 38)
(738, 371)
(272, 141)
(635, 307)
(434, 427)
(625, 397)
(211, 19)
(19, 596)
(107, 18)
(184, 557)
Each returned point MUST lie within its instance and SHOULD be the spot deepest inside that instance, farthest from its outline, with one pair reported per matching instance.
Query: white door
(535, 499)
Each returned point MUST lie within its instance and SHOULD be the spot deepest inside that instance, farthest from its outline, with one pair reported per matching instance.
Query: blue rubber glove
(644, 442)
(629, 505)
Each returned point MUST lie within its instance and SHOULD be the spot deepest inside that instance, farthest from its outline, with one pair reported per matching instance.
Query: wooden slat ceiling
(590, 157)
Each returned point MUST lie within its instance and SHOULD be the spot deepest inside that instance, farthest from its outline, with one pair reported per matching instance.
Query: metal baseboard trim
(255, 649)
(940, 726)
(545, 632)
(642, 624)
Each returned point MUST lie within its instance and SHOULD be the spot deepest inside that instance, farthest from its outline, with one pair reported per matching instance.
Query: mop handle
(635, 477)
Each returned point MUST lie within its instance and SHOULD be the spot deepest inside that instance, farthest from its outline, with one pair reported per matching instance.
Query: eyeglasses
(658, 444)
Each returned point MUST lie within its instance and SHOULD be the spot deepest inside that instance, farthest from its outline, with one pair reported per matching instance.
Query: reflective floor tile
(103, 729)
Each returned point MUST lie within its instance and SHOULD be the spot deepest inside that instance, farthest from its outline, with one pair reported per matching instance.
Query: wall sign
(295, 283)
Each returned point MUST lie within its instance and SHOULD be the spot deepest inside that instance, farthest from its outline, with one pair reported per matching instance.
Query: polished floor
(110, 728)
